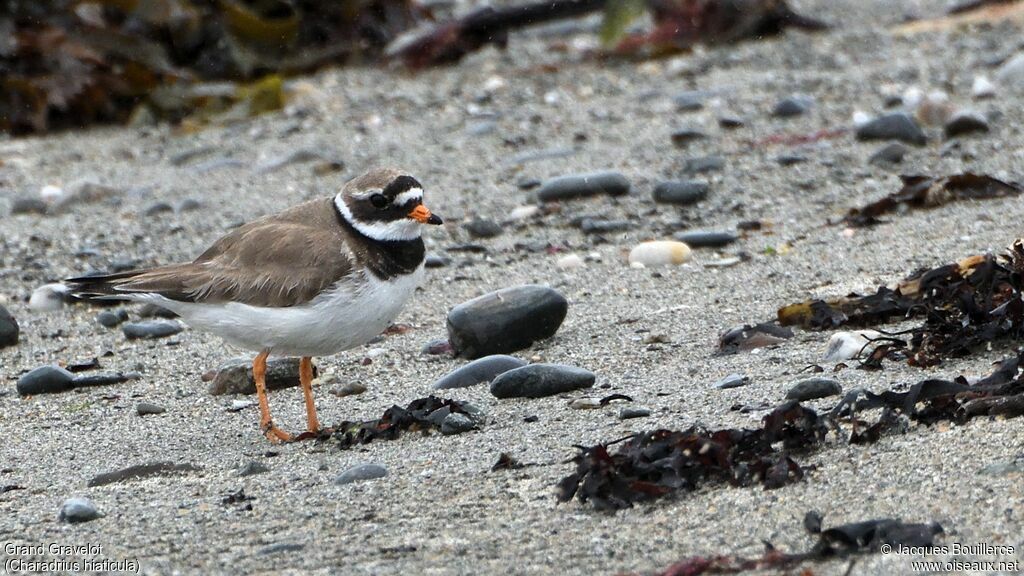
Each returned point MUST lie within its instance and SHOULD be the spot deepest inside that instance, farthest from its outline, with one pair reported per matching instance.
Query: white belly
(350, 314)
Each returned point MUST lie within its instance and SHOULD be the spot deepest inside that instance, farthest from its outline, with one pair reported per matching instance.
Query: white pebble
(494, 83)
(585, 404)
(523, 212)
(860, 118)
(846, 345)
(376, 352)
(659, 253)
(239, 405)
(983, 87)
(913, 97)
(570, 262)
(48, 297)
(52, 194)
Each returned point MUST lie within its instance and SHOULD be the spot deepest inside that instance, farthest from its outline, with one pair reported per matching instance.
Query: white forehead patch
(401, 229)
(366, 193)
(410, 194)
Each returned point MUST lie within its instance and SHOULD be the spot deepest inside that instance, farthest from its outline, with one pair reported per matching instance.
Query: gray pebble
(361, 472)
(75, 510)
(253, 468)
(594, 226)
(9, 329)
(28, 205)
(45, 380)
(147, 408)
(892, 153)
(793, 106)
(791, 159)
(456, 423)
(966, 122)
(630, 412)
(814, 388)
(235, 376)
(706, 238)
(683, 192)
(732, 381)
(896, 126)
(483, 228)
(111, 318)
(157, 208)
(436, 261)
(704, 164)
(150, 329)
(1003, 468)
(1011, 73)
(480, 370)
(506, 320)
(350, 389)
(684, 136)
(583, 185)
(540, 380)
(690, 101)
(730, 122)
(150, 310)
(189, 205)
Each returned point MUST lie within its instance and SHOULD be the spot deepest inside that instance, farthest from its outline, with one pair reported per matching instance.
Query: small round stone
(483, 228)
(631, 412)
(45, 380)
(147, 408)
(583, 185)
(151, 329)
(570, 262)
(361, 472)
(732, 381)
(896, 126)
(966, 122)
(659, 253)
(892, 153)
(540, 380)
(456, 423)
(814, 388)
(793, 106)
(706, 238)
(682, 193)
(111, 318)
(506, 320)
(75, 510)
(478, 371)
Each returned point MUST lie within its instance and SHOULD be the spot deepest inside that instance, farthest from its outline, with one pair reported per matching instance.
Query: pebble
(706, 238)
(523, 212)
(437, 346)
(681, 192)
(895, 126)
(189, 205)
(570, 262)
(540, 380)
(150, 329)
(983, 88)
(9, 329)
(28, 205)
(791, 159)
(1004, 468)
(350, 389)
(506, 320)
(731, 122)
(483, 228)
(892, 153)
(147, 408)
(732, 381)
(1011, 73)
(690, 101)
(239, 405)
(586, 404)
(845, 345)
(436, 261)
(478, 371)
(111, 318)
(814, 388)
(659, 253)
(45, 380)
(361, 472)
(456, 423)
(934, 109)
(684, 136)
(253, 468)
(157, 208)
(631, 412)
(793, 106)
(235, 376)
(583, 185)
(77, 509)
(703, 164)
(966, 122)
(48, 297)
(593, 226)
(150, 310)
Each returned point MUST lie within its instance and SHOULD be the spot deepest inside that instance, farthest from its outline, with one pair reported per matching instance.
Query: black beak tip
(435, 220)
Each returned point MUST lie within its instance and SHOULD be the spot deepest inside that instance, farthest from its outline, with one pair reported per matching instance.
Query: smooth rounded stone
(157, 208)
(150, 310)
(1011, 73)
(478, 371)
(361, 472)
(704, 164)
(436, 261)
(350, 389)
(189, 205)
(147, 408)
(966, 122)
(239, 405)
(150, 329)
(456, 423)
(659, 253)
(483, 228)
(111, 318)
(540, 380)
(583, 185)
(505, 320)
(594, 226)
(982, 88)
(78, 509)
(28, 205)
(9, 329)
(682, 137)
(731, 122)
(523, 212)
(892, 153)
(45, 380)
(814, 388)
(632, 412)
(570, 262)
(690, 101)
(681, 192)
(896, 126)
(48, 297)
(791, 159)
(706, 238)
(793, 106)
(845, 345)
(731, 381)
(586, 404)
(235, 376)
(253, 468)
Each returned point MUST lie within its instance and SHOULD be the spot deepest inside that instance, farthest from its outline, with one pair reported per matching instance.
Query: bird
(314, 280)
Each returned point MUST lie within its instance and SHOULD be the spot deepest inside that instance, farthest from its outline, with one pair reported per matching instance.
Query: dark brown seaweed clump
(422, 415)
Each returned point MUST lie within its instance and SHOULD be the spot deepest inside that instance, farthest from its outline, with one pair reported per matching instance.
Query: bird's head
(385, 204)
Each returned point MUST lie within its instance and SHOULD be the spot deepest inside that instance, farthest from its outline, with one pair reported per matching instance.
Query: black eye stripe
(401, 184)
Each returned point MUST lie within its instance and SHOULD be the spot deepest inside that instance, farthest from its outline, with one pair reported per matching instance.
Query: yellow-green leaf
(618, 15)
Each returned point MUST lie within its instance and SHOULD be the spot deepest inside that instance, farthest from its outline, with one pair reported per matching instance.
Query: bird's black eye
(379, 200)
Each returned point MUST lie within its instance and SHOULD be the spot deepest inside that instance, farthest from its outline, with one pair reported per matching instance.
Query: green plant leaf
(618, 15)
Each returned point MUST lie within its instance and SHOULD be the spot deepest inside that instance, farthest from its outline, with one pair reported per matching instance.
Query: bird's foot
(273, 433)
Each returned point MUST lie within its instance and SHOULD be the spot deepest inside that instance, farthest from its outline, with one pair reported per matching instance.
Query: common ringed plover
(319, 278)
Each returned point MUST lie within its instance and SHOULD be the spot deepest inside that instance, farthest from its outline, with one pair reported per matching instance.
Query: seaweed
(421, 415)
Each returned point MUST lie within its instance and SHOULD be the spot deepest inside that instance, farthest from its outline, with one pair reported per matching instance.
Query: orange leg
(259, 373)
(306, 379)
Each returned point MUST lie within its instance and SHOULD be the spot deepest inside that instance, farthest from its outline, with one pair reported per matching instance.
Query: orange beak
(422, 215)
